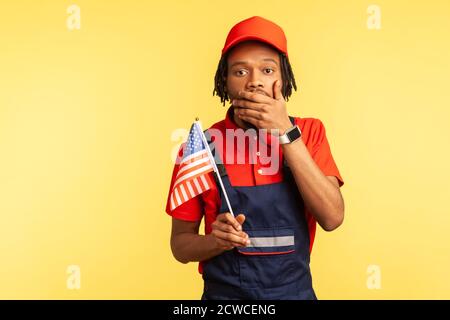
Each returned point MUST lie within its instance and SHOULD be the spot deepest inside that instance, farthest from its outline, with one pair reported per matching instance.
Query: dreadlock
(287, 77)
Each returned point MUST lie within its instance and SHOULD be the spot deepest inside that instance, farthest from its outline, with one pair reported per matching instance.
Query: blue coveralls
(276, 263)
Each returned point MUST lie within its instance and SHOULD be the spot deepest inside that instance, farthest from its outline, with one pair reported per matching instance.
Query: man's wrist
(215, 249)
(284, 128)
(291, 134)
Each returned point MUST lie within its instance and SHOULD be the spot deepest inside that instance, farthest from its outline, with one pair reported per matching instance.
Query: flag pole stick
(208, 150)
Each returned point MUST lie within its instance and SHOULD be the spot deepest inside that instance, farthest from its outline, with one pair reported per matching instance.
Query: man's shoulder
(313, 130)
(220, 125)
(308, 123)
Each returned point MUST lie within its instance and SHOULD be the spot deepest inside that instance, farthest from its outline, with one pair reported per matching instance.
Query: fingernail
(239, 227)
(247, 242)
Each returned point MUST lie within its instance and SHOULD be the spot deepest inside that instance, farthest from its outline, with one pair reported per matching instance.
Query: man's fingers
(228, 218)
(248, 104)
(277, 95)
(225, 227)
(240, 218)
(229, 245)
(241, 112)
(230, 237)
(226, 233)
(255, 97)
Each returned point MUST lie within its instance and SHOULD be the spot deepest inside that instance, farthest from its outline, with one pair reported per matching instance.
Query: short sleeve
(321, 152)
(191, 210)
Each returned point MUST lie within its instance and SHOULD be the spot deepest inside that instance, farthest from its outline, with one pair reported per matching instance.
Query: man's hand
(227, 231)
(262, 111)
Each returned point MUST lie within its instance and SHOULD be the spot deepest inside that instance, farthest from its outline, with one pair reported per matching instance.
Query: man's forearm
(320, 195)
(188, 247)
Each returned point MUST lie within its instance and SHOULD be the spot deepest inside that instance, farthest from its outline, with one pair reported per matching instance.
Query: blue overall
(276, 263)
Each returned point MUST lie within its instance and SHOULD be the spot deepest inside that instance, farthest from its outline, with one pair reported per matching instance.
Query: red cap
(256, 28)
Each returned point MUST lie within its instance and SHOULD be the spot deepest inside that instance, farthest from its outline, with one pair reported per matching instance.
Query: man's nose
(254, 81)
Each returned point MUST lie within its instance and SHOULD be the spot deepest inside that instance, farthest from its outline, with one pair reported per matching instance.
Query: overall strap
(292, 120)
(219, 164)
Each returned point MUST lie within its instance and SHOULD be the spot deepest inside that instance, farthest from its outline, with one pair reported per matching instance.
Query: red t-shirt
(249, 173)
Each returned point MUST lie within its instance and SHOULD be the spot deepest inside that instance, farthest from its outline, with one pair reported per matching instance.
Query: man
(263, 252)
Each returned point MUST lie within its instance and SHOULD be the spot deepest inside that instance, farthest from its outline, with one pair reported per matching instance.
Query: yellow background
(86, 118)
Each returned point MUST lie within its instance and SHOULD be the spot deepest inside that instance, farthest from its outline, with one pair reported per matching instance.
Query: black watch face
(294, 134)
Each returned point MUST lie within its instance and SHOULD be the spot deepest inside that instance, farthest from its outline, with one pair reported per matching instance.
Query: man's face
(254, 67)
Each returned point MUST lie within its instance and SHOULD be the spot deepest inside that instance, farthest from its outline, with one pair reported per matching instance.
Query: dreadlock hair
(287, 77)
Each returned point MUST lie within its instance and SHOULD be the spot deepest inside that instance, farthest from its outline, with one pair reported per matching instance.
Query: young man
(263, 252)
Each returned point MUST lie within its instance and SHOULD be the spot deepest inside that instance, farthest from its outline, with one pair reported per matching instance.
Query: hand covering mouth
(260, 92)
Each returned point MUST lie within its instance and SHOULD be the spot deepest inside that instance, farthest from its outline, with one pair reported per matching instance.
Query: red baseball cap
(256, 28)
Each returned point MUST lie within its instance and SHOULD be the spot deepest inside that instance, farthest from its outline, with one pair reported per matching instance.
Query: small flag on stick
(196, 163)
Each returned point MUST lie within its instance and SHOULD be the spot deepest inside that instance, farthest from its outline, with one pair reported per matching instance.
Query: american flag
(194, 166)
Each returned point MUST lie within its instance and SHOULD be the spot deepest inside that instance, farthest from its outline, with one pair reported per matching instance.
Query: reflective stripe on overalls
(276, 263)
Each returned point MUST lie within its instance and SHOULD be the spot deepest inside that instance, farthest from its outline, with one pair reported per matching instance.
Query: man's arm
(187, 245)
(320, 193)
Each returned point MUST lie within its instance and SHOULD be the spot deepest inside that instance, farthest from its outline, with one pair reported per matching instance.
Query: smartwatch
(290, 135)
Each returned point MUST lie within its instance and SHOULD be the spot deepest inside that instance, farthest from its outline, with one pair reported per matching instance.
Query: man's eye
(268, 70)
(241, 72)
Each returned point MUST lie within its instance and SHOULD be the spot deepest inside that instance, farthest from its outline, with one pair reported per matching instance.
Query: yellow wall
(86, 118)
